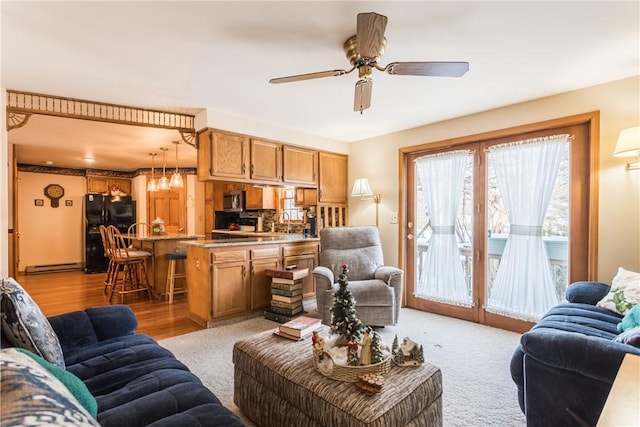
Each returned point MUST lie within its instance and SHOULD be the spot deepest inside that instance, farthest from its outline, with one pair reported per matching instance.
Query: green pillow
(70, 381)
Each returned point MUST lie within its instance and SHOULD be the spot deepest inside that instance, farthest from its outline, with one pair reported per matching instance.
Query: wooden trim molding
(21, 105)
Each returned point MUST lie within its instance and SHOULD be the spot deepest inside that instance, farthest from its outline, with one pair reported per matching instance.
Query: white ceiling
(190, 56)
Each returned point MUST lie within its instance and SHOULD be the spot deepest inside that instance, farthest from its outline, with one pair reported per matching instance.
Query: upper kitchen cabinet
(257, 198)
(266, 161)
(333, 178)
(103, 185)
(299, 166)
(223, 156)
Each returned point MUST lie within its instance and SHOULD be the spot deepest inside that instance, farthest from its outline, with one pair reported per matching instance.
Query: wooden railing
(332, 215)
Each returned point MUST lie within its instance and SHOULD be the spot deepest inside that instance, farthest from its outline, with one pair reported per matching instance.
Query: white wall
(619, 194)
(50, 235)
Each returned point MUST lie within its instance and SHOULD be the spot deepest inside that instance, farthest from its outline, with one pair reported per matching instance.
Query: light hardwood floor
(58, 293)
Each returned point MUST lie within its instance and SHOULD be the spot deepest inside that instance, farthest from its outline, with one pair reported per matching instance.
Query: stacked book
(299, 328)
(286, 293)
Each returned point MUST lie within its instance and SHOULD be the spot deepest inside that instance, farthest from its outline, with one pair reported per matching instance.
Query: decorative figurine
(352, 352)
(365, 352)
(409, 353)
(318, 344)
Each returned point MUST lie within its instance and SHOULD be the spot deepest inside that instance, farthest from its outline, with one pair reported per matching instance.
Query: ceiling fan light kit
(364, 49)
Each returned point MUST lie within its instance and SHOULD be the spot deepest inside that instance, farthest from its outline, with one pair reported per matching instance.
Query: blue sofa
(565, 365)
(134, 380)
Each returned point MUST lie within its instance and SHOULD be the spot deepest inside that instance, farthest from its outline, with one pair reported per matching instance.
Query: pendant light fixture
(176, 178)
(163, 183)
(152, 185)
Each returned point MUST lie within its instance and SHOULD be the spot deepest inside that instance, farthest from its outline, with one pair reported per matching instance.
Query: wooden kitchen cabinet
(227, 280)
(299, 166)
(262, 259)
(306, 197)
(259, 198)
(266, 161)
(333, 178)
(223, 156)
(103, 184)
(303, 255)
(230, 275)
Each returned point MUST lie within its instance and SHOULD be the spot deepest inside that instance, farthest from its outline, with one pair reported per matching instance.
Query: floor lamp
(362, 189)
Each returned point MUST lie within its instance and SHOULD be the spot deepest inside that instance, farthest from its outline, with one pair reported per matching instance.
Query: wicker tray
(349, 374)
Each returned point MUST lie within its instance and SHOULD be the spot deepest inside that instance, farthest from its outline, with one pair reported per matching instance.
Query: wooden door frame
(588, 190)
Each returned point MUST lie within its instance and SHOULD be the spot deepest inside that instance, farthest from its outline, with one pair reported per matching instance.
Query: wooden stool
(173, 257)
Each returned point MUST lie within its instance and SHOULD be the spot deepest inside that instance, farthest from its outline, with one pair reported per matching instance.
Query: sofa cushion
(586, 292)
(31, 395)
(630, 320)
(25, 326)
(70, 381)
(631, 337)
(624, 293)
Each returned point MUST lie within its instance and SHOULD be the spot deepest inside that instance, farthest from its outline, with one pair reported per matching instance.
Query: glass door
(496, 229)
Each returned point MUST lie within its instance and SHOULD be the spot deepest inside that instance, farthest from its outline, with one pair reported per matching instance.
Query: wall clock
(54, 192)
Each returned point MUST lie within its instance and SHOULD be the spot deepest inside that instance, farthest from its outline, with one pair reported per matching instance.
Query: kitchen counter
(273, 238)
(157, 265)
(152, 238)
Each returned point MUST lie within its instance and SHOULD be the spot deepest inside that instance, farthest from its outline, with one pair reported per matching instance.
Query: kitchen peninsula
(227, 278)
(157, 265)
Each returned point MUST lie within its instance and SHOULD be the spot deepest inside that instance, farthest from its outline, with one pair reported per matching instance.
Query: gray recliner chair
(376, 288)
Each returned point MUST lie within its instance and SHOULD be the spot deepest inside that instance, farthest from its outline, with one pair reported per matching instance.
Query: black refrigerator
(104, 210)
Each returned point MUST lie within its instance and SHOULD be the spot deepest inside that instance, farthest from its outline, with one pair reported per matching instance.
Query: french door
(496, 228)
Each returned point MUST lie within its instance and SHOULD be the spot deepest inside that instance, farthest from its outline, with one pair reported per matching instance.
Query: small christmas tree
(343, 320)
(376, 352)
(420, 356)
(394, 346)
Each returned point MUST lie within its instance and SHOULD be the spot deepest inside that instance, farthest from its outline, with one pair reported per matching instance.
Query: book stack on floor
(299, 328)
(286, 293)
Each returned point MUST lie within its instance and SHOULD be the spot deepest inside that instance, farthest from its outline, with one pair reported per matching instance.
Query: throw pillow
(25, 326)
(624, 293)
(32, 396)
(631, 337)
(70, 381)
(630, 320)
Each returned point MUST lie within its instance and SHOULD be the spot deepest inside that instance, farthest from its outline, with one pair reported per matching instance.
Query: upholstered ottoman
(275, 384)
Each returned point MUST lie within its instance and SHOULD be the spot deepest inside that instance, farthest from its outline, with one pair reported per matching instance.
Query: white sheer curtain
(526, 173)
(442, 179)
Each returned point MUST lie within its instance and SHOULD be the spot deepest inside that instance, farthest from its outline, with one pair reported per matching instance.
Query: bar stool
(173, 257)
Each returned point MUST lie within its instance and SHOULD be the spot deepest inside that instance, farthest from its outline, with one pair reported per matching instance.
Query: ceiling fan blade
(437, 69)
(362, 99)
(309, 76)
(370, 34)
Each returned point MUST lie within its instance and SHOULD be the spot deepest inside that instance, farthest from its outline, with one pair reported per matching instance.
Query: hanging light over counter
(152, 185)
(163, 182)
(176, 178)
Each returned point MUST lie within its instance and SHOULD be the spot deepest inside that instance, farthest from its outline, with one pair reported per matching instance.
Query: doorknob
(410, 236)
(410, 224)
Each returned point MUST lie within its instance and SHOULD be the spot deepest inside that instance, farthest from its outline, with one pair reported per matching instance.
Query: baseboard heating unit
(53, 268)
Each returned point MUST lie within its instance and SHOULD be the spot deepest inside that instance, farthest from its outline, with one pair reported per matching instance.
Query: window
(288, 208)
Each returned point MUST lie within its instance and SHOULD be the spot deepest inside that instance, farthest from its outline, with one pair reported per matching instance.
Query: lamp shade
(176, 180)
(361, 188)
(628, 144)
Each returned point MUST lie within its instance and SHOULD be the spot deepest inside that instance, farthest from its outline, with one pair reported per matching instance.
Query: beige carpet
(474, 361)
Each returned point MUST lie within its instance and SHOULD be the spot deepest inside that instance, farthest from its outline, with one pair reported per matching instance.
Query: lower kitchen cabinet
(262, 259)
(228, 280)
(303, 255)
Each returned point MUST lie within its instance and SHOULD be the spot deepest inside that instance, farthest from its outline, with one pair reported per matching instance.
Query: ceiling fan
(363, 51)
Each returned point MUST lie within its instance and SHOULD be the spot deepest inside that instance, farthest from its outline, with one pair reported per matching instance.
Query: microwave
(233, 201)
